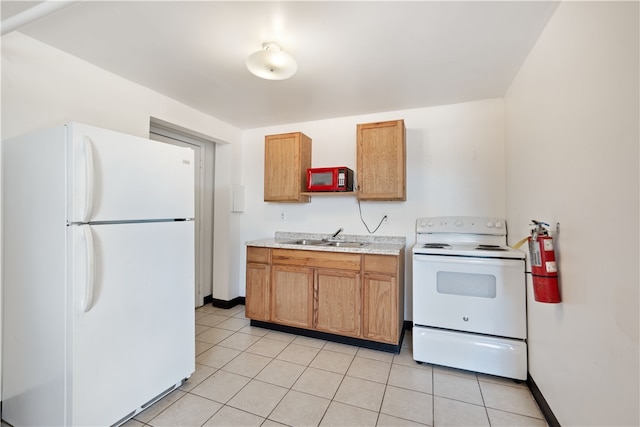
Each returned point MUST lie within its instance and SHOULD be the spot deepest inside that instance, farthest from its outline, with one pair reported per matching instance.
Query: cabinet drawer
(321, 259)
(381, 264)
(261, 255)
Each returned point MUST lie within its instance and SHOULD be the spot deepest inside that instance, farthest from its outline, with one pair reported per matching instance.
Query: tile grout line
(484, 403)
(332, 399)
(343, 377)
(289, 389)
(243, 387)
(433, 397)
(213, 373)
(310, 394)
(337, 388)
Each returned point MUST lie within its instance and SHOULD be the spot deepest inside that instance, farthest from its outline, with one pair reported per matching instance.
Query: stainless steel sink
(307, 242)
(317, 242)
(346, 244)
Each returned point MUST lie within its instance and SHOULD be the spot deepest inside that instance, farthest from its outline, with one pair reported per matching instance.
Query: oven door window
(466, 284)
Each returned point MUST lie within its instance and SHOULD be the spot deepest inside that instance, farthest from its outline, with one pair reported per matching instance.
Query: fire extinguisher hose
(520, 242)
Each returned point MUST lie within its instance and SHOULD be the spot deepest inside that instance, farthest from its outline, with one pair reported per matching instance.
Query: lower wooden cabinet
(380, 307)
(257, 294)
(337, 302)
(383, 298)
(348, 294)
(292, 295)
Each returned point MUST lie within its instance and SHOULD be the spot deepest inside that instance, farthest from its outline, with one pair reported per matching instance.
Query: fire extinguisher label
(534, 253)
(548, 245)
(550, 266)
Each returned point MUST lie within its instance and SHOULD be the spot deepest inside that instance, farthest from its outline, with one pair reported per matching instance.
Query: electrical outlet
(283, 216)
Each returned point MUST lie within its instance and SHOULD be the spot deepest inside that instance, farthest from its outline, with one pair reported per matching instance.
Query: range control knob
(490, 224)
(430, 224)
(459, 223)
(499, 224)
(422, 224)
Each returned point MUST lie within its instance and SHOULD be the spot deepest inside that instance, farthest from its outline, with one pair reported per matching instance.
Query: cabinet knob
(465, 318)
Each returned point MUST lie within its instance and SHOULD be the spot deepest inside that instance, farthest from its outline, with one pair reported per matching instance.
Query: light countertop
(380, 245)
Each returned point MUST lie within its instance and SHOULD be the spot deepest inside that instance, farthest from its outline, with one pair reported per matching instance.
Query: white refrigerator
(98, 275)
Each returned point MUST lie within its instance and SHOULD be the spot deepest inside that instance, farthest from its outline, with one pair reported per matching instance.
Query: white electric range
(469, 296)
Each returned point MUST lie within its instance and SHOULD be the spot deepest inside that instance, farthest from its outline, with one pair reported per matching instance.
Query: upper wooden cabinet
(286, 160)
(381, 162)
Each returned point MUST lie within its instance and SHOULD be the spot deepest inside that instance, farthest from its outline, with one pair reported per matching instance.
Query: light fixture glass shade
(271, 63)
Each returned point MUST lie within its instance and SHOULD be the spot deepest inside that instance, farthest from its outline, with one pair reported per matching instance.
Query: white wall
(455, 166)
(572, 157)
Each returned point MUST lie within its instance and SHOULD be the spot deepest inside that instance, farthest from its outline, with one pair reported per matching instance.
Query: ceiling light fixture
(272, 63)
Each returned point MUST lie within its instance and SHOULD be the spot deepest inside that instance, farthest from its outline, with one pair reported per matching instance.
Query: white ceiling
(353, 57)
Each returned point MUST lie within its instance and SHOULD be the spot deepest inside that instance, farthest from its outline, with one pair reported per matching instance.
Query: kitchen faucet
(335, 234)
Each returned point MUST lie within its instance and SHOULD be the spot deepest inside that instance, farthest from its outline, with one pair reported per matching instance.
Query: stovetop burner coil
(436, 245)
(490, 248)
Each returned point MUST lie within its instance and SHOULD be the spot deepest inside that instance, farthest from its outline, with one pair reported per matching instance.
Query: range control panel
(462, 224)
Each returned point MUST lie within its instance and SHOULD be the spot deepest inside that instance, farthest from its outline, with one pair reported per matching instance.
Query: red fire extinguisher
(544, 270)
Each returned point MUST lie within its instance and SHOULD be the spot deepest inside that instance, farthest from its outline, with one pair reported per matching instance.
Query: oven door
(483, 295)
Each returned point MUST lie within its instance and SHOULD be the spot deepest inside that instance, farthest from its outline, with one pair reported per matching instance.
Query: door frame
(204, 159)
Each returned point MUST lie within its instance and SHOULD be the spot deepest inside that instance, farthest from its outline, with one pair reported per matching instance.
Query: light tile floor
(248, 376)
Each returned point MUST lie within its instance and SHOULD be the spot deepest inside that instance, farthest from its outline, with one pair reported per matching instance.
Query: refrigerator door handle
(89, 181)
(90, 268)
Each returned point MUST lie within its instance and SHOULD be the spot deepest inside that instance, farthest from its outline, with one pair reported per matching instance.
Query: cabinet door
(286, 160)
(380, 317)
(257, 292)
(381, 161)
(291, 295)
(337, 302)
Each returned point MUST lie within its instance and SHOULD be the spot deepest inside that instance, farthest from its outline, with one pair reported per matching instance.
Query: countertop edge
(375, 248)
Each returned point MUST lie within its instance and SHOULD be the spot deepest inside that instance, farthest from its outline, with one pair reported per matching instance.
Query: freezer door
(119, 177)
(131, 317)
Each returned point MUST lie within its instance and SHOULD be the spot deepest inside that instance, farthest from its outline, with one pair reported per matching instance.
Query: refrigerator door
(132, 318)
(119, 177)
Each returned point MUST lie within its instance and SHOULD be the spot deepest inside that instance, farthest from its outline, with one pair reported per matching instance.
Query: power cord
(365, 224)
